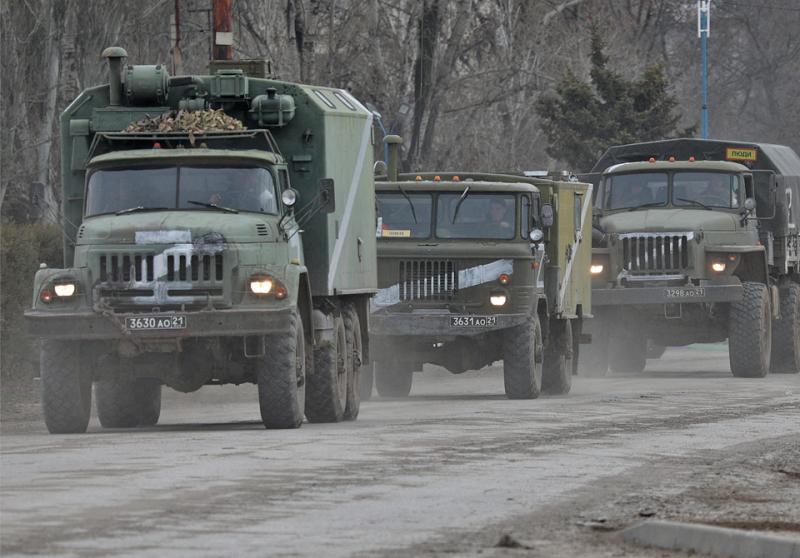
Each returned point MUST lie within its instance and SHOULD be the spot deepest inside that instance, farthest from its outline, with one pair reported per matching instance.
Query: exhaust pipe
(115, 56)
(393, 143)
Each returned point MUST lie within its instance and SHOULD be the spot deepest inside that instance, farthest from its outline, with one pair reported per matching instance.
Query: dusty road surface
(448, 471)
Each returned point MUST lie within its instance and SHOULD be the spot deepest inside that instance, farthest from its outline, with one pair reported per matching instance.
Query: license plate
(684, 292)
(155, 323)
(473, 321)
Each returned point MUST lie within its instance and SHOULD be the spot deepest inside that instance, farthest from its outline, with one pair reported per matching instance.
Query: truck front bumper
(666, 295)
(436, 325)
(205, 323)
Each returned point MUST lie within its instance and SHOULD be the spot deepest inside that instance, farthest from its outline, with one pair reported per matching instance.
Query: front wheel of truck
(127, 403)
(523, 354)
(559, 356)
(66, 388)
(326, 389)
(786, 333)
(393, 379)
(750, 332)
(281, 376)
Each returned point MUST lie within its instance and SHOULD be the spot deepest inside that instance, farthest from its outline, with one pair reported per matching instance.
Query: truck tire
(127, 403)
(326, 388)
(593, 361)
(627, 352)
(393, 380)
(352, 331)
(66, 388)
(281, 376)
(559, 357)
(750, 332)
(523, 354)
(367, 381)
(786, 333)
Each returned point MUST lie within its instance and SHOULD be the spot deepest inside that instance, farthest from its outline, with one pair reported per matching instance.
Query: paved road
(448, 470)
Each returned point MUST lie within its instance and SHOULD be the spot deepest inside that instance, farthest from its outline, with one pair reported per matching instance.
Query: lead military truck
(208, 256)
(697, 241)
(476, 268)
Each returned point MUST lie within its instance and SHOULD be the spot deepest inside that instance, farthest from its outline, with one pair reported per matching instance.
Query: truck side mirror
(548, 216)
(327, 195)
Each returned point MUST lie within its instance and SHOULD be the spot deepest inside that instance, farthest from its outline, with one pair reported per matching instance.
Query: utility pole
(703, 30)
(222, 11)
(175, 32)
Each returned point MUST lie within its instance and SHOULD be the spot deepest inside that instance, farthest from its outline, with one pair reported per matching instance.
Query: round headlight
(536, 235)
(289, 197)
(596, 269)
(261, 285)
(498, 299)
(718, 266)
(64, 290)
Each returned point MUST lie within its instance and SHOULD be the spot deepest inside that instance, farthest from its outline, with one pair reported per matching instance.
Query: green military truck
(697, 241)
(220, 253)
(476, 268)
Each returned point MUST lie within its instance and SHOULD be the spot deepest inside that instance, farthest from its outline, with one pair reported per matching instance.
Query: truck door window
(525, 216)
(624, 191)
(711, 189)
(404, 217)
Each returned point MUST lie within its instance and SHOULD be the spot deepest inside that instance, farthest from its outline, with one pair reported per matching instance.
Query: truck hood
(168, 227)
(670, 220)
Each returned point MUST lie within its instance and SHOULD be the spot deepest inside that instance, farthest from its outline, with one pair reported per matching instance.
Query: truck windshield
(404, 216)
(480, 216)
(709, 189)
(626, 191)
(243, 188)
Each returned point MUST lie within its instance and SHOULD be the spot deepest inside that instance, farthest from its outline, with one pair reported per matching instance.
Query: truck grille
(655, 253)
(179, 267)
(428, 280)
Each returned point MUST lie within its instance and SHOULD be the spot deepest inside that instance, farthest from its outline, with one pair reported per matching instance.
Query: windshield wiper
(460, 201)
(648, 204)
(695, 202)
(139, 208)
(410, 203)
(213, 206)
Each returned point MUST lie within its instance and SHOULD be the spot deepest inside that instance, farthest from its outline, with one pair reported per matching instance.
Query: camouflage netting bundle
(194, 122)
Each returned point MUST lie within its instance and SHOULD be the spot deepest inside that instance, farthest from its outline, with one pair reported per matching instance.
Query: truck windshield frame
(173, 187)
(673, 189)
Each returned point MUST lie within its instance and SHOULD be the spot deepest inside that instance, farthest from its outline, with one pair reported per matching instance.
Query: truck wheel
(367, 381)
(326, 390)
(750, 332)
(523, 354)
(558, 359)
(352, 331)
(281, 376)
(393, 380)
(627, 353)
(786, 333)
(593, 361)
(66, 388)
(126, 403)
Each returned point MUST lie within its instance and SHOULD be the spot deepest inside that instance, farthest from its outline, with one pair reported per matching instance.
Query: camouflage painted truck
(697, 241)
(202, 257)
(476, 268)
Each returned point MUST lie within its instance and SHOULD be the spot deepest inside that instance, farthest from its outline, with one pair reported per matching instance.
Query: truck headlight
(65, 290)
(718, 266)
(261, 285)
(498, 299)
(596, 268)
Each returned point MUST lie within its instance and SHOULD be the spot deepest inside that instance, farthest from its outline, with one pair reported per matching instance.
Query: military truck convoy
(242, 254)
(697, 241)
(476, 268)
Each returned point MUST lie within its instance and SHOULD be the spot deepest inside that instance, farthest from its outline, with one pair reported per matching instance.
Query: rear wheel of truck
(352, 331)
(750, 332)
(786, 333)
(559, 356)
(627, 352)
(326, 388)
(393, 379)
(126, 403)
(523, 354)
(281, 376)
(66, 388)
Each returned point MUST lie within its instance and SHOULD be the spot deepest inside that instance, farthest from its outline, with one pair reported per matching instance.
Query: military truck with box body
(475, 268)
(208, 256)
(697, 241)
